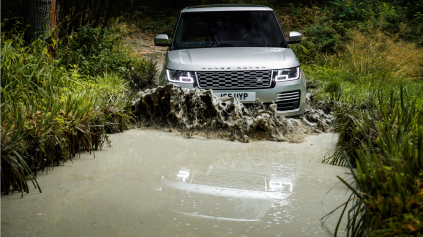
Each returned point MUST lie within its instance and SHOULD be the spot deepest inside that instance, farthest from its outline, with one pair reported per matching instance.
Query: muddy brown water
(153, 183)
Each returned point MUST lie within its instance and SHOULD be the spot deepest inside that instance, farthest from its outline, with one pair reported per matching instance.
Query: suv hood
(231, 59)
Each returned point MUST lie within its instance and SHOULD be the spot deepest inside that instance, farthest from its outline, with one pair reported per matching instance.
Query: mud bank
(200, 111)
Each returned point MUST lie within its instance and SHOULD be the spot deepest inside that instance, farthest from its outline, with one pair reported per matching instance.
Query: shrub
(49, 114)
(142, 75)
(94, 51)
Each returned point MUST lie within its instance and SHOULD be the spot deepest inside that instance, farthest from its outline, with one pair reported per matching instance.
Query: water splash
(197, 110)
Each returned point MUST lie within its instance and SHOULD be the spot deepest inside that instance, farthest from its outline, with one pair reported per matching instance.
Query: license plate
(242, 96)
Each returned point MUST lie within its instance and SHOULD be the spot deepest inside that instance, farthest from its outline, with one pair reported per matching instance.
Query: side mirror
(295, 37)
(161, 40)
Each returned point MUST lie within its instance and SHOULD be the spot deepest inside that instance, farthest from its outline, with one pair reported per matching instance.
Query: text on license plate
(242, 96)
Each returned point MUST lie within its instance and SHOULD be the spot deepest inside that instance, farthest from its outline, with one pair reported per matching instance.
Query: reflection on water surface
(241, 192)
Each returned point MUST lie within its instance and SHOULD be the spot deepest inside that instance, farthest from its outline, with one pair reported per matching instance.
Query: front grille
(288, 100)
(234, 79)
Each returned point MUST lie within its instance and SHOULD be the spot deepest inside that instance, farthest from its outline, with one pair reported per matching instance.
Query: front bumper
(266, 95)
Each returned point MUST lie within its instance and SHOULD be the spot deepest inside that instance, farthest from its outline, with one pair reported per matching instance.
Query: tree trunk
(53, 26)
(39, 16)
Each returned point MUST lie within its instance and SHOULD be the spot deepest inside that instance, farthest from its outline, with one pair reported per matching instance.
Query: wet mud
(200, 111)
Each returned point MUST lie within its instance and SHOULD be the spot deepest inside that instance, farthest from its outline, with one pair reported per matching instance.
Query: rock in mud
(198, 110)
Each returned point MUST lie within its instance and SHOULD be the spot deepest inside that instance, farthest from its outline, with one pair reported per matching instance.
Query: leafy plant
(50, 113)
(143, 75)
(386, 192)
(94, 51)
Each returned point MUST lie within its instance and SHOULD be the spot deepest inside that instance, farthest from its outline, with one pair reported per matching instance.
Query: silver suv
(236, 51)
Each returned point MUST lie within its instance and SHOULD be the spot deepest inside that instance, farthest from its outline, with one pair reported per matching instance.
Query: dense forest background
(395, 16)
(327, 25)
(68, 75)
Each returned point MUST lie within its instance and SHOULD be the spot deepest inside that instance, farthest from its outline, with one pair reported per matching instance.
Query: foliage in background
(153, 21)
(332, 27)
(373, 57)
(94, 51)
(296, 17)
(74, 14)
(370, 60)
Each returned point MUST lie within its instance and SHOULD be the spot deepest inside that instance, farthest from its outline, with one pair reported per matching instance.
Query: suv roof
(226, 7)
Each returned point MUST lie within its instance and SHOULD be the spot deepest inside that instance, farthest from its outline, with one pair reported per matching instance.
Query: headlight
(180, 76)
(286, 74)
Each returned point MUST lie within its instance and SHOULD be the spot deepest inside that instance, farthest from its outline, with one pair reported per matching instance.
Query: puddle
(153, 183)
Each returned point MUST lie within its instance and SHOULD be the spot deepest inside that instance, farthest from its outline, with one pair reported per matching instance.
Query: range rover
(236, 51)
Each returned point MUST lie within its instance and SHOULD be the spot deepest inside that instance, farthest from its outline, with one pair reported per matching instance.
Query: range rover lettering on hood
(231, 59)
(223, 68)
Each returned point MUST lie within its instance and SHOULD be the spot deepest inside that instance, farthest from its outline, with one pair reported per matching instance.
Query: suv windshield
(228, 29)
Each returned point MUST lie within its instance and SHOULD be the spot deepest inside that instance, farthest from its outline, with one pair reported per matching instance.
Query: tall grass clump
(379, 58)
(387, 191)
(50, 110)
(371, 59)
